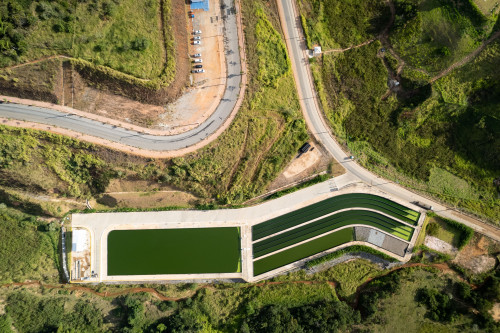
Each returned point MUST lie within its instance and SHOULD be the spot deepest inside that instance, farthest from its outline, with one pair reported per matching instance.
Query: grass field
(354, 200)
(126, 37)
(302, 251)
(173, 251)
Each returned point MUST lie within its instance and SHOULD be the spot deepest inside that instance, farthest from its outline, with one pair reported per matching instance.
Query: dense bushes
(32, 313)
(377, 290)
(72, 162)
(319, 317)
(26, 250)
(458, 298)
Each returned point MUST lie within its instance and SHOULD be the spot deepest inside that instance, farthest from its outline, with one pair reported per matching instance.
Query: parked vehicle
(198, 71)
(198, 66)
(198, 60)
(197, 55)
(196, 42)
(423, 205)
(197, 32)
(305, 147)
(196, 38)
(190, 14)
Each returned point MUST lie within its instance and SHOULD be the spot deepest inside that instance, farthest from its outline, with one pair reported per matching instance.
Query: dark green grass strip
(330, 223)
(173, 251)
(302, 251)
(352, 200)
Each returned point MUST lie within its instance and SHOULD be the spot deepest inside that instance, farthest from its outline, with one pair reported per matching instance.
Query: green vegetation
(330, 223)
(29, 247)
(318, 317)
(122, 35)
(271, 52)
(452, 232)
(316, 180)
(35, 314)
(173, 251)
(302, 251)
(354, 200)
(437, 137)
(350, 249)
(350, 275)
(340, 24)
(432, 34)
(41, 161)
(447, 304)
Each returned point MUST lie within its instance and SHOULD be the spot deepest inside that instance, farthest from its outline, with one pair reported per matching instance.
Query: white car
(198, 71)
(196, 42)
(197, 55)
(196, 38)
(198, 60)
(197, 32)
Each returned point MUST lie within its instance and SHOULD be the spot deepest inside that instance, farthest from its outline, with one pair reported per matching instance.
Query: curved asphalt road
(293, 32)
(147, 141)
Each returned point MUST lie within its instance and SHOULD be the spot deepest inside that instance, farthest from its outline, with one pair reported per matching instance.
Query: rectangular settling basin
(174, 251)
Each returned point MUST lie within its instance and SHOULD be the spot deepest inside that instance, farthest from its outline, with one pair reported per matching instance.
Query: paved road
(314, 118)
(147, 141)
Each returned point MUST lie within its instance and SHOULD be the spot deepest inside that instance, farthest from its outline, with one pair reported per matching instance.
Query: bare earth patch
(439, 245)
(310, 163)
(156, 199)
(144, 194)
(303, 162)
(475, 256)
(495, 311)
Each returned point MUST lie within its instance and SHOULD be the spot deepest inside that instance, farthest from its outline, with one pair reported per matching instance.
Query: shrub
(432, 229)
(140, 44)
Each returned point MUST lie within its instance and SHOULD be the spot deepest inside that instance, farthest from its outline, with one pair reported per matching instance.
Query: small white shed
(79, 240)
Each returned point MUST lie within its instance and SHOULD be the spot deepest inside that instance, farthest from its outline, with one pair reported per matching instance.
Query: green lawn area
(173, 251)
(303, 251)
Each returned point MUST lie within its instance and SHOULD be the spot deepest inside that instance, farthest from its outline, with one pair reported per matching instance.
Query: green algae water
(174, 251)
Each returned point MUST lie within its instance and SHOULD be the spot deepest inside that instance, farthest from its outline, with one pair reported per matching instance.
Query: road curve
(159, 143)
(292, 29)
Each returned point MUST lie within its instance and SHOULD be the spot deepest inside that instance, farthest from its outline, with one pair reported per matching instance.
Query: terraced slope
(302, 251)
(330, 223)
(352, 200)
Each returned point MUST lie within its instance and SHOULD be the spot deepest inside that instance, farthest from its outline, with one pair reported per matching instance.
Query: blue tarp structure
(199, 4)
